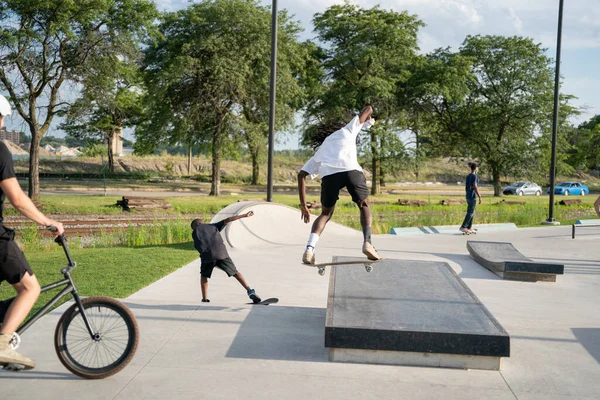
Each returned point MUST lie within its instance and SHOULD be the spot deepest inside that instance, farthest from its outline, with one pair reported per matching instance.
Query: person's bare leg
(28, 291)
(204, 287)
(318, 226)
(322, 220)
(366, 219)
(241, 280)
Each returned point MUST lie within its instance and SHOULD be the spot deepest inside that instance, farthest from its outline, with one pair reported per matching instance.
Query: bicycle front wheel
(115, 340)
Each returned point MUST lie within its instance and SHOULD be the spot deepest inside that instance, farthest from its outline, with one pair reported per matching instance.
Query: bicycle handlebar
(62, 241)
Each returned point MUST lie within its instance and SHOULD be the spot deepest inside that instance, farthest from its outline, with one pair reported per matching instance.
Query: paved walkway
(231, 350)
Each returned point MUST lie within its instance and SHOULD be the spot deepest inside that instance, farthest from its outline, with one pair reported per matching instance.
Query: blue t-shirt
(471, 179)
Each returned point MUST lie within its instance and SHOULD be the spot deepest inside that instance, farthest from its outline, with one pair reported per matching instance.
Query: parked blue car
(568, 188)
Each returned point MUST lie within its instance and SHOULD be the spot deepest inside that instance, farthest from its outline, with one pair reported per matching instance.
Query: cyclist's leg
(15, 270)
(28, 291)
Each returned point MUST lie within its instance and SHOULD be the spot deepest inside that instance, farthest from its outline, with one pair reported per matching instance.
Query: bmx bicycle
(95, 338)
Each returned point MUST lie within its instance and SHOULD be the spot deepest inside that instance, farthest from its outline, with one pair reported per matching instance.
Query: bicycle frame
(70, 288)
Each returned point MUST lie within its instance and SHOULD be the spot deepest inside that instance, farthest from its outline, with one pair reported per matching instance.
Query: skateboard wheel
(368, 268)
(321, 271)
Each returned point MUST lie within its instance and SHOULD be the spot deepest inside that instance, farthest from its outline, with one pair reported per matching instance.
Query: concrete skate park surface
(227, 349)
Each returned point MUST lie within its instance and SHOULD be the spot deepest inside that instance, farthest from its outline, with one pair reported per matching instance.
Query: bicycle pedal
(15, 341)
(14, 367)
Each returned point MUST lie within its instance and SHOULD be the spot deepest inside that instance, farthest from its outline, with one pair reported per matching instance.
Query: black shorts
(13, 264)
(225, 264)
(354, 181)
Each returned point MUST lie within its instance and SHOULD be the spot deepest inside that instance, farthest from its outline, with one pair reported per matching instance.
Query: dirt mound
(14, 149)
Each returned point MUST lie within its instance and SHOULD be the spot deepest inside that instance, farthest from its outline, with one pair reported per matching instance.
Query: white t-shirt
(338, 151)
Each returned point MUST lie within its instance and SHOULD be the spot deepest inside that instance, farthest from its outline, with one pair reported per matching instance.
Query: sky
(448, 22)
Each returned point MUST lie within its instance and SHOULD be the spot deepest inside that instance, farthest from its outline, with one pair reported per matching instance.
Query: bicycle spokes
(107, 344)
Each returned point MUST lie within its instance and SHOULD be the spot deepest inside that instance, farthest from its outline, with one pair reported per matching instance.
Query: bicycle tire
(71, 334)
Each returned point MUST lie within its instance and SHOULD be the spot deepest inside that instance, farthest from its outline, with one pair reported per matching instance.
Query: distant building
(11, 136)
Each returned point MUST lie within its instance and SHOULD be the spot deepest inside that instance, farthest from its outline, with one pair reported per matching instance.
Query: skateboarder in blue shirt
(209, 243)
(472, 193)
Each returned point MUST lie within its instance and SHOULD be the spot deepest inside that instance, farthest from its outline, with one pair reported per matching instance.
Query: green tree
(47, 43)
(436, 78)
(210, 70)
(368, 53)
(294, 63)
(110, 102)
(508, 103)
(585, 145)
(24, 137)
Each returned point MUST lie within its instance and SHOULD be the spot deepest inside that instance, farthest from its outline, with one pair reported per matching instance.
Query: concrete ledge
(507, 262)
(415, 359)
(449, 229)
(588, 222)
(410, 313)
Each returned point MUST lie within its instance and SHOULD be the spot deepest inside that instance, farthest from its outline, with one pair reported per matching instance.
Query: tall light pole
(272, 99)
(555, 115)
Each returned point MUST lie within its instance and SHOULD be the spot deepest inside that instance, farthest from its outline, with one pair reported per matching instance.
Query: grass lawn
(387, 213)
(114, 272)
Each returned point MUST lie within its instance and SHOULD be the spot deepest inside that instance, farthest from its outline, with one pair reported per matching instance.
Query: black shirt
(6, 171)
(209, 243)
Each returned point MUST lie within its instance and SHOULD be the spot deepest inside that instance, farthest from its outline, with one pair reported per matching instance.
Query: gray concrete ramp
(507, 262)
(273, 224)
(410, 313)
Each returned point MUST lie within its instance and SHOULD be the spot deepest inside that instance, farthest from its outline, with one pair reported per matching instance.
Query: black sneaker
(205, 300)
(252, 294)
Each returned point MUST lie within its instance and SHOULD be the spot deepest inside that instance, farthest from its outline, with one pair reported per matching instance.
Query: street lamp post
(555, 115)
(272, 100)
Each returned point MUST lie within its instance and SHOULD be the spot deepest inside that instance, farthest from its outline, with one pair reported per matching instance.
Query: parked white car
(523, 188)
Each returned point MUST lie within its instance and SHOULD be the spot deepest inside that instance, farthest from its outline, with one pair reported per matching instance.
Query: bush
(94, 150)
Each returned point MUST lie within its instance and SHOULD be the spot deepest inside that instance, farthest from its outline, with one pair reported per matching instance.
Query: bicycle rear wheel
(113, 345)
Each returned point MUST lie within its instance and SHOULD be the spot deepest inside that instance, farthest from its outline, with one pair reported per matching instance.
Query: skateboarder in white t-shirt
(337, 164)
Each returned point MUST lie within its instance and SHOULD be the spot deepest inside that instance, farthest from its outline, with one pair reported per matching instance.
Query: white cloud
(517, 23)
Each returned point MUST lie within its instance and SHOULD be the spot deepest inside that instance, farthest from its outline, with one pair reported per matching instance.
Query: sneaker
(10, 356)
(252, 294)
(369, 251)
(205, 300)
(309, 256)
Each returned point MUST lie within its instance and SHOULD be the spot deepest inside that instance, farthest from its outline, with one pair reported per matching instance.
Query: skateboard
(472, 232)
(367, 263)
(266, 302)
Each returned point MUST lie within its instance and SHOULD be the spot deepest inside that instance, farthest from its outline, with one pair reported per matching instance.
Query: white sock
(312, 240)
